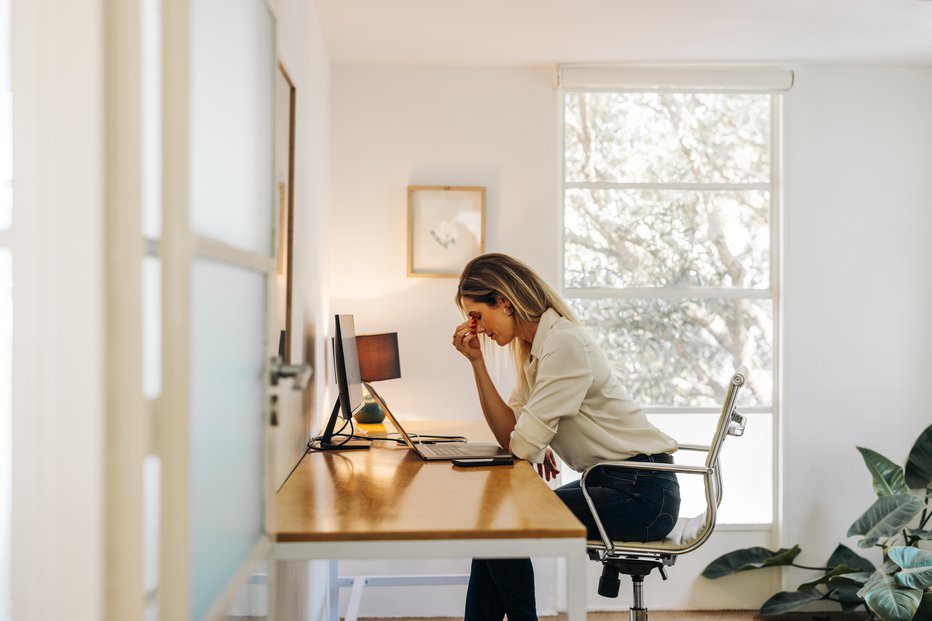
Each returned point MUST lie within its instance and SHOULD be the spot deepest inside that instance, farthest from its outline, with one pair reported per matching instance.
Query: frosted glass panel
(150, 91)
(152, 499)
(6, 481)
(151, 327)
(6, 130)
(232, 127)
(5, 80)
(6, 207)
(227, 357)
(6, 153)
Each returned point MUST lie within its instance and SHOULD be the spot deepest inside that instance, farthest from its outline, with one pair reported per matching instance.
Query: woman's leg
(633, 506)
(501, 586)
(482, 600)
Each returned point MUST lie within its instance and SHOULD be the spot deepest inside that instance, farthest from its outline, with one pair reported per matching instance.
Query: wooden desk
(388, 503)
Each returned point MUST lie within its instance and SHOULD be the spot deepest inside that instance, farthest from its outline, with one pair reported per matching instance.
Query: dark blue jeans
(634, 505)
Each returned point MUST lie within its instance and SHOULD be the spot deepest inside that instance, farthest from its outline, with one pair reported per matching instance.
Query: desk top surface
(389, 493)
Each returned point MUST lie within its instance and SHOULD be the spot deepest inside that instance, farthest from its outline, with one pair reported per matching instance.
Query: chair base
(637, 568)
(637, 614)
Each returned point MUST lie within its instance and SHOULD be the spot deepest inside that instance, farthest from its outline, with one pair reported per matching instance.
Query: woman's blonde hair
(489, 277)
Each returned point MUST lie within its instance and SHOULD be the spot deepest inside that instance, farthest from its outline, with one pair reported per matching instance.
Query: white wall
(857, 290)
(302, 589)
(302, 52)
(394, 127)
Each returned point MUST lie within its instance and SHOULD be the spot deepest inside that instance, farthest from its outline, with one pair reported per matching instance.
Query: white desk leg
(352, 610)
(334, 584)
(576, 587)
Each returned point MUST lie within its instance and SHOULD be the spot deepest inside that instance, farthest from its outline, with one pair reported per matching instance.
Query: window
(669, 259)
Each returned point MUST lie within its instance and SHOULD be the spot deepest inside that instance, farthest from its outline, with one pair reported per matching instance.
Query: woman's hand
(466, 341)
(548, 469)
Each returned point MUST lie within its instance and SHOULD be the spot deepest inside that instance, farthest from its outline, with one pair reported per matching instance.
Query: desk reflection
(370, 488)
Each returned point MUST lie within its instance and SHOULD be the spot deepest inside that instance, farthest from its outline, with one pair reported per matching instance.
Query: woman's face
(494, 321)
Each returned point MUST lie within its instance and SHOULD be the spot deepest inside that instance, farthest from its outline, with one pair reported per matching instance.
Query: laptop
(442, 450)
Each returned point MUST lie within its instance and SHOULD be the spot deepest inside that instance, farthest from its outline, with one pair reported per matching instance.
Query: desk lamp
(378, 360)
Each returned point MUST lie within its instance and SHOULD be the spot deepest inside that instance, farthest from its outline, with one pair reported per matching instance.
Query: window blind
(680, 78)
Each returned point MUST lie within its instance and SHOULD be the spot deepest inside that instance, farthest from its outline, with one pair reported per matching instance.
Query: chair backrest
(693, 532)
(690, 533)
(730, 422)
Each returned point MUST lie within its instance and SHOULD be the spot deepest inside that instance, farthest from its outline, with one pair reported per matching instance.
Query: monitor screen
(346, 364)
(349, 401)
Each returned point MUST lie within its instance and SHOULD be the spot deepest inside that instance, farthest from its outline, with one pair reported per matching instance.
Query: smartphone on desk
(469, 462)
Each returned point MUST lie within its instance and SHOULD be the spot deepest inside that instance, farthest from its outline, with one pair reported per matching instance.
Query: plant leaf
(919, 465)
(885, 517)
(749, 558)
(890, 601)
(888, 476)
(846, 595)
(835, 573)
(843, 555)
(888, 568)
(916, 566)
(859, 578)
(925, 607)
(784, 601)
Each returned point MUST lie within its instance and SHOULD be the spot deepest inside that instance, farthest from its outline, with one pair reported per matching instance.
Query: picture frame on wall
(285, 110)
(446, 229)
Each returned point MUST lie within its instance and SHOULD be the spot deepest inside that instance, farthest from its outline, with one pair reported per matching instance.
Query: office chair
(638, 559)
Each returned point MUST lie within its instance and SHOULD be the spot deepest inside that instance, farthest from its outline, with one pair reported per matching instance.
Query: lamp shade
(378, 356)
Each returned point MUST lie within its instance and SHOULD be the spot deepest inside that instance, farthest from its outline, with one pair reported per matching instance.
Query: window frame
(772, 292)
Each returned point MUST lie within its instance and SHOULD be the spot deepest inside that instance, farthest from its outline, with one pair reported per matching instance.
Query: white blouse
(575, 404)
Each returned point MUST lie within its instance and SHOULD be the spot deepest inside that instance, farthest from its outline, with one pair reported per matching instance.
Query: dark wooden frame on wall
(286, 215)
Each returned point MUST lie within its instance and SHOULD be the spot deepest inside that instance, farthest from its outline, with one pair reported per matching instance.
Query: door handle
(301, 373)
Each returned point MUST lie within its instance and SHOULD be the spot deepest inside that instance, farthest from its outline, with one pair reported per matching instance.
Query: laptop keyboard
(444, 449)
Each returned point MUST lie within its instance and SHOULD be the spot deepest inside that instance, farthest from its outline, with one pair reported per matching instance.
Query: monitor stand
(344, 444)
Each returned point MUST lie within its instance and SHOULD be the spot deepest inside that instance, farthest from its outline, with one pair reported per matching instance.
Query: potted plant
(898, 590)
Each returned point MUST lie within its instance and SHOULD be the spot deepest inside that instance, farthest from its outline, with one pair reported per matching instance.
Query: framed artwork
(446, 228)
(285, 96)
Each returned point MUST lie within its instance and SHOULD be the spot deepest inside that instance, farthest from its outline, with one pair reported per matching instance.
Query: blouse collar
(546, 322)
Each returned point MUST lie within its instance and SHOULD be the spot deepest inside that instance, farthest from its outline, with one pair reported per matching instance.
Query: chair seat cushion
(684, 534)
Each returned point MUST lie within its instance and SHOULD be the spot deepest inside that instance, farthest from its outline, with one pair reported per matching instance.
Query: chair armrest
(635, 465)
(695, 447)
(646, 465)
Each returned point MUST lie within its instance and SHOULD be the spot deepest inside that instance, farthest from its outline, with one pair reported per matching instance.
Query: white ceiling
(535, 32)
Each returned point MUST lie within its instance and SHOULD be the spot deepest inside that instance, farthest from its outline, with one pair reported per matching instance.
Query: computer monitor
(349, 384)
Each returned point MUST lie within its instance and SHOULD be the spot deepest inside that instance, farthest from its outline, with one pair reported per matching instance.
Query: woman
(568, 400)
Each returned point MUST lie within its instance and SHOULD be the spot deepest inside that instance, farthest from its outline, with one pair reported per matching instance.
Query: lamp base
(370, 413)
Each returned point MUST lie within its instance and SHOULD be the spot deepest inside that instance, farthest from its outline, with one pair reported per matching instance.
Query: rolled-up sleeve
(563, 378)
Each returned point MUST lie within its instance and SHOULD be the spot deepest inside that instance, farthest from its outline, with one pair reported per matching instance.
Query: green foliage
(749, 558)
(785, 601)
(919, 464)
(888, 476)
(899, 590)
(889, 600)
(885, 518)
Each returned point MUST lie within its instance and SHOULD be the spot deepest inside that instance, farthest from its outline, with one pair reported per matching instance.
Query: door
(218, 265)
